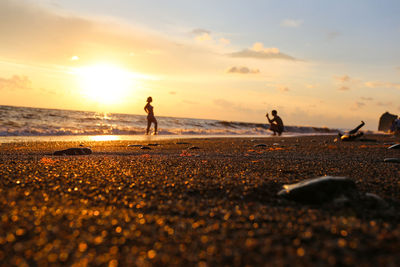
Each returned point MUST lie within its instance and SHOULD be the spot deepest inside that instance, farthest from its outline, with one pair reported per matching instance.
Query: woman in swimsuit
(150, 116)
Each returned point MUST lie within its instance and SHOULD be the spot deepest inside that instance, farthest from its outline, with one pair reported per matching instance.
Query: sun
(105, 83)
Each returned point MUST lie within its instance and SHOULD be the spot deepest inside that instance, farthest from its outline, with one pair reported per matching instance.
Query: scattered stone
(392, 160)
(182, 143)
(318, 190)
(368, 140)
(395, 146)
(134, 145)
(275, 144)
(153, 144)
(194, 147)
(145, 147)
(260, 145)
(73, 151)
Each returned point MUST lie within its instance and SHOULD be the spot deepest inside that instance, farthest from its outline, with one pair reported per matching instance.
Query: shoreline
(214, 205)
(89, 138)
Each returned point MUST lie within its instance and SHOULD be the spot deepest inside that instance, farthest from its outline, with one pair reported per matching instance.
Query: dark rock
(374, 200)
(145, 147)
(194, 147)
(395, 146)
(74, 151)
(318, 190)
(153, 144)
(261, 145)
(392, 160)
(134, 145)
(385, 121)
(182, 143)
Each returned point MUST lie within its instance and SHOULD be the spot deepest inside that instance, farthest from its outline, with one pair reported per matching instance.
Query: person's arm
(146, 109)
(270, 121)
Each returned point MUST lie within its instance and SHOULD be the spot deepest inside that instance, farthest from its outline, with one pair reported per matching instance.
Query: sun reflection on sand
(104, 138)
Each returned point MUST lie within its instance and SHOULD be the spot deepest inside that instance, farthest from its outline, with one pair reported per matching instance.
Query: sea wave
(24, 121)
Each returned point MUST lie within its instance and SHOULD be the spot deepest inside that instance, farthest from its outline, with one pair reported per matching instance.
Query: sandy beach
(196, 202)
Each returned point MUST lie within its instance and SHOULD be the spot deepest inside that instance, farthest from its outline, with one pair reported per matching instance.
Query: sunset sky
(319, 63)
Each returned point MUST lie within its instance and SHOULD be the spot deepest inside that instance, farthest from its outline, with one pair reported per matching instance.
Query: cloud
(242, 70)
(384, 104)
(260, 52)
(344, 78)
(33, 34)
(200, 31)
(367, 98)
(236, 107)
(291, 23)
(343, 88)
(202, 35)
(357, 105)
(379, 84)
(224, 41)
(283, 88)
(346, 83)
(15, 83)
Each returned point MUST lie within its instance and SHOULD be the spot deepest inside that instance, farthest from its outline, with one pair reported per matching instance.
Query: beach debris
(318, 190)
(260, 145)
(182, 143)
(395, 146)
(135, 145)
(145, 147)
(153, 144)
(392, 160)
(194, 147)
(73, 151)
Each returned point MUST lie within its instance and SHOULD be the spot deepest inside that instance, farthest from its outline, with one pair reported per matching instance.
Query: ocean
(41, 124)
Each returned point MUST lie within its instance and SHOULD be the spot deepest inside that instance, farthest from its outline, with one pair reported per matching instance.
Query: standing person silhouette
(276, 123)
(150, 116)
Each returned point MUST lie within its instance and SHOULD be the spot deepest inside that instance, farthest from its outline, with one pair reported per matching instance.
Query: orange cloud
(15, 83)
(259, 51)
(242, 70)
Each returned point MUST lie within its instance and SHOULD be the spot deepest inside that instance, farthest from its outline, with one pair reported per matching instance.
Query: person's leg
(357, 128)
(155, 126)
(148, 126)
(273, 128)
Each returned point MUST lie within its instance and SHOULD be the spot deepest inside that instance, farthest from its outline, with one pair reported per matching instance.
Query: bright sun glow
(105, 83)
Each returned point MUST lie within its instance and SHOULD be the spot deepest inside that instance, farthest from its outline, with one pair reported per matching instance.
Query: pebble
(395, 146)
(73, 151)
(145, 147)
(260, 145)
(194, 147)
(182, 143)
(318, 190)
(153, 144)
(392, 160)
(134, 145)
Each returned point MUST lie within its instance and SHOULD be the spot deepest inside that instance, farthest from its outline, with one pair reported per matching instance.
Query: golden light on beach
(105, 83)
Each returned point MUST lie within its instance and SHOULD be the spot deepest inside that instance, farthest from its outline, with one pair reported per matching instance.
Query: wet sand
(213, 206)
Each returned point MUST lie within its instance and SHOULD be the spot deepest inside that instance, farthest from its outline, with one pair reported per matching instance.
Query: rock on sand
(74, 151)
(318, 190)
